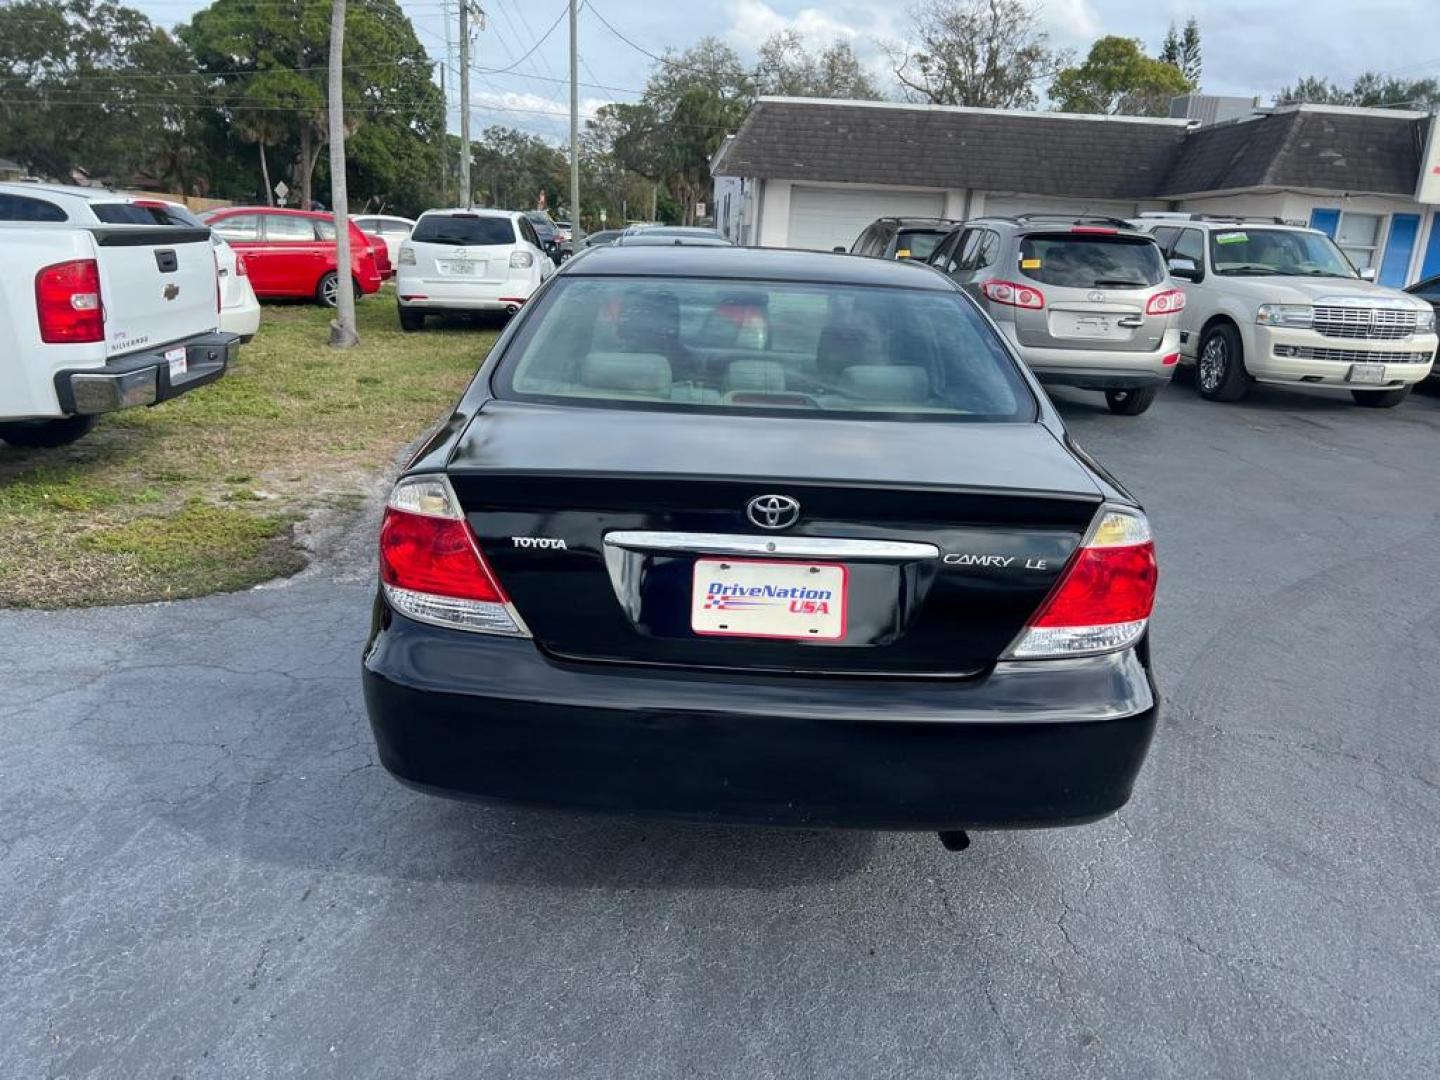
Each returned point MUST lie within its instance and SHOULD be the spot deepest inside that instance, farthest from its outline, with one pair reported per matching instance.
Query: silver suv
(1086, 301)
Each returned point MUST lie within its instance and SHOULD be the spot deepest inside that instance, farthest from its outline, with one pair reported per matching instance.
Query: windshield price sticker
(1230, 238)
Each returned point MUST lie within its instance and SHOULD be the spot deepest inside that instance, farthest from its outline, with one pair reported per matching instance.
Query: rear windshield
(1091, 262)
(140, 214)
(467, 229)
(739, 345)
(920, 244)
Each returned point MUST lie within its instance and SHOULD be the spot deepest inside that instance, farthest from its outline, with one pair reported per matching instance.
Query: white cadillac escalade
(1277, 303)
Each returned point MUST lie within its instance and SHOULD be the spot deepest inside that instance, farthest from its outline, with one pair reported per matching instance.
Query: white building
(812, 173)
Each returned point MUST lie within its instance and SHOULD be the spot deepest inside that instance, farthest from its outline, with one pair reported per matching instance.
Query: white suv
(1271, 302)
(468, 260)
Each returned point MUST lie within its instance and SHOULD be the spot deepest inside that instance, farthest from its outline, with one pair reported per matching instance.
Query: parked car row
(1115, 305)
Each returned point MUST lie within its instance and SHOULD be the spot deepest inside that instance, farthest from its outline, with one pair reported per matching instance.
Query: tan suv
(1279, 303)
(1086, 302)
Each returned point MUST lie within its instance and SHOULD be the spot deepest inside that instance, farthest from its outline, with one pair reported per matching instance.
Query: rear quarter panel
(28, 365)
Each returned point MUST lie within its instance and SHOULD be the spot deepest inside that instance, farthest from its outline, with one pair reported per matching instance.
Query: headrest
(885, 383)
(634, 373)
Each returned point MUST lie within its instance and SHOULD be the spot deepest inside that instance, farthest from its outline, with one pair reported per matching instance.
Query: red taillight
(67, 300)
(1104, 597)
(241, 270)
(1013, 295)
(1102, 586)
(1171, 360)
(1166, 303)
(434, 555)
(431, 567)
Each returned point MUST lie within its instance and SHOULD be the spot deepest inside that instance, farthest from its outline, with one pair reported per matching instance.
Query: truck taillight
(241, 270)
(1013, 295)
(431, 567)
(1104, 597)
(1166, 303)
(67, 300)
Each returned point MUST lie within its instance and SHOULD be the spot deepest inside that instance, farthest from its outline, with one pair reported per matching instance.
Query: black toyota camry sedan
(763, 536)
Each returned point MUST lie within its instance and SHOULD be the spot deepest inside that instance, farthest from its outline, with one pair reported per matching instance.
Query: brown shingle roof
(1375, 152)
(1372, 152)
(914, 146)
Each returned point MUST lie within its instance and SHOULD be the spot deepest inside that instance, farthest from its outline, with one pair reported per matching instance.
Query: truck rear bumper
(145, 378)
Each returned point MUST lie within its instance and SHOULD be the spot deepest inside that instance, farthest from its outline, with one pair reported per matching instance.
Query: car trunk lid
(930, 543)
(158, 284)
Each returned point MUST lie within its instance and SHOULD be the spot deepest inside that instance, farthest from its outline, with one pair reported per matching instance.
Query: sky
(1251, 47)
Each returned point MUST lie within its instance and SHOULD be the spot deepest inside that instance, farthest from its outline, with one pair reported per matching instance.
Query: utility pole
(342, 329)
(465, 103)
(577, 233)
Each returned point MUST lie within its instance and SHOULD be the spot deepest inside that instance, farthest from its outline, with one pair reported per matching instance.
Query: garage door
(823, 218)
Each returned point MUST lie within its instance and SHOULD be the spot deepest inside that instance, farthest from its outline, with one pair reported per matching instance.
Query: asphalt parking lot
(203, 872)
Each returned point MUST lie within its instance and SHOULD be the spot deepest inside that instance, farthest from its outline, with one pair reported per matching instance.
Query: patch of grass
(200, 494)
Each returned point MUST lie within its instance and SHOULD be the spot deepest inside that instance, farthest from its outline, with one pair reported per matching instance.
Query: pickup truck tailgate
(158, 285)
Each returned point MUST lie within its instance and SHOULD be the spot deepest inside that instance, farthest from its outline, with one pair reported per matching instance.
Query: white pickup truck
(98, 317)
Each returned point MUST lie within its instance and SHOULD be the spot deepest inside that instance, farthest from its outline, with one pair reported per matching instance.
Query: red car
(291, 253)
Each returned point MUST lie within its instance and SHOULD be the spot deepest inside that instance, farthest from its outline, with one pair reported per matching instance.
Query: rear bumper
(144, 378)
(1030, 745)
(243, 319)
(1098, 369)
(428, 294)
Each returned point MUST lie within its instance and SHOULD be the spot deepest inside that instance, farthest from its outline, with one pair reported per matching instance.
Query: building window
(1359, 237)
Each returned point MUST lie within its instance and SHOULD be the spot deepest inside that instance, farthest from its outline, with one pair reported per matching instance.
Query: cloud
(519, 109)
(752, 21)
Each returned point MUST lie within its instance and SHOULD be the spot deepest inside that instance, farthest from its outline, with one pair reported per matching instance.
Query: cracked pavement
(203, 872)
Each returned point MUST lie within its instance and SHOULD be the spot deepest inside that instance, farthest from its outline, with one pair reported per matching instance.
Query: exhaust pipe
(955, 839)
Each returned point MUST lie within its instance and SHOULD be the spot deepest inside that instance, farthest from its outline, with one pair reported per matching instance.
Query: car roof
(65, 191)
(917, 222)
(753, 264)
(1197, 221)
(475, 211)
(290, 210)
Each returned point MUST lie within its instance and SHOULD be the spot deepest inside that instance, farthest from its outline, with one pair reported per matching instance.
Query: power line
(550, 30)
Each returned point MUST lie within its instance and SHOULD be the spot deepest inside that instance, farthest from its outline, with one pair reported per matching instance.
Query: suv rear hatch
(1096, 285)
(938, 540)
(460, 248)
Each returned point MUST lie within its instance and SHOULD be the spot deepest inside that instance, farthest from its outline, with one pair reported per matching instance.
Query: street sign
(699, 209)
(602, 216)
(282, 190)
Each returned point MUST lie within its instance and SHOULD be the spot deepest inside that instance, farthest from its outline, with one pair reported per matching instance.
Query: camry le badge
(773, 511)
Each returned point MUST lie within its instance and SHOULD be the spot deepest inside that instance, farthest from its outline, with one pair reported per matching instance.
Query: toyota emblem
(773, 511)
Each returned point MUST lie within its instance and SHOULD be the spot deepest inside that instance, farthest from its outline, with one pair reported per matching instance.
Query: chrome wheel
(1213, 361)
(330, 291)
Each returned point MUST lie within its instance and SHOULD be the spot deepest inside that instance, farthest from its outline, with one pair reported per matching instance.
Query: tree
(1369, 91)
(976, 52)
(1117, 77)
(786, 68)
(1182, 52)
(93, 84)
(267, 65)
